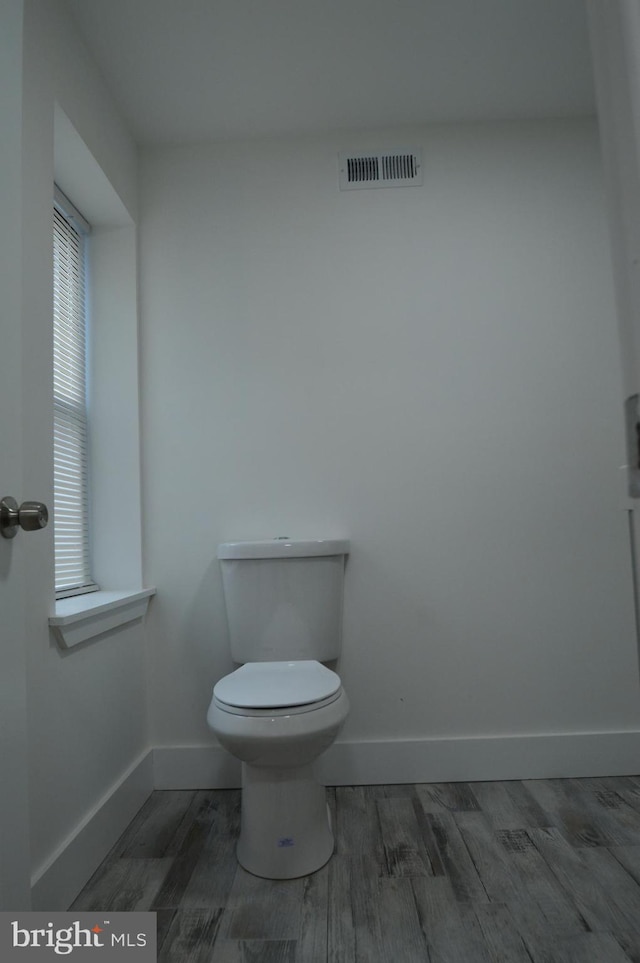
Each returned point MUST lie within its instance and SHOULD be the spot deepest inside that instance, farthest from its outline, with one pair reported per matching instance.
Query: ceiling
(192, 71)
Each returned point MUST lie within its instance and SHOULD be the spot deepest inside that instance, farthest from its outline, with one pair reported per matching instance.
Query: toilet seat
(276, 713)
(259, 688)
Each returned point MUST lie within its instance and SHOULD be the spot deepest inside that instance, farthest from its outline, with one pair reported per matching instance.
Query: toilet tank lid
(284, 548)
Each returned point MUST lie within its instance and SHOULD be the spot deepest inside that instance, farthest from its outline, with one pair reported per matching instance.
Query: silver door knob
(30, 516)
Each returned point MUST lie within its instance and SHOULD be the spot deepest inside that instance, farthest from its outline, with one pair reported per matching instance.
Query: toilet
(282, 707)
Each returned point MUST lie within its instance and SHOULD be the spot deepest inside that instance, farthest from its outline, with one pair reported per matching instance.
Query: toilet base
(285, 829)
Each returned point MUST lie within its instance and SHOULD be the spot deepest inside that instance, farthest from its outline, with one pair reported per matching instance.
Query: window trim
(79, 620)
(113, 359)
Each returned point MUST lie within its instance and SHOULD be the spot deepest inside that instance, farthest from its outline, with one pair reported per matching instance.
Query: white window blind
(71, 495)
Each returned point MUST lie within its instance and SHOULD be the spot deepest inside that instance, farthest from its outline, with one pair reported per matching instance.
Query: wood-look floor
(545, 871)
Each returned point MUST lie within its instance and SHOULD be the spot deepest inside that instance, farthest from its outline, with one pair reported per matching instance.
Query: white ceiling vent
(400, 168)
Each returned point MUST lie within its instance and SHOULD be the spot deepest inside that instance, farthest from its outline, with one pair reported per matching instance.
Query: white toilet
(282, 707)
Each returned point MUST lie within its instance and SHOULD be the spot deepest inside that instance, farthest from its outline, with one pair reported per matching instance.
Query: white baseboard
(476, 759)
(58, 881)
(451, 759)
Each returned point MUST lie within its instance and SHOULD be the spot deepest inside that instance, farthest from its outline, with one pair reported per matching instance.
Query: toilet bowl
(277, 718)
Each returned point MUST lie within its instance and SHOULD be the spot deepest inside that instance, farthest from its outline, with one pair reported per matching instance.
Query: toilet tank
(284, 598)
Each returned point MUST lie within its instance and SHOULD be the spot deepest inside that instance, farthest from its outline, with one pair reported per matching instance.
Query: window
(71, 490)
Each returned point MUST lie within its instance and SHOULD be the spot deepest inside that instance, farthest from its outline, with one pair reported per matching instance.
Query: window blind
(71, 495)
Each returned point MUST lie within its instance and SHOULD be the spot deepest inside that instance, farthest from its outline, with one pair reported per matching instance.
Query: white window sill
(83, 617)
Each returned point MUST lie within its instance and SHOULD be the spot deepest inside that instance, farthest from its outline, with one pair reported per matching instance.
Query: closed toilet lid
(276, 685)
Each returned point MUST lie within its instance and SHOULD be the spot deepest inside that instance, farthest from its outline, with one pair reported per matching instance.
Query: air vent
(389, 169)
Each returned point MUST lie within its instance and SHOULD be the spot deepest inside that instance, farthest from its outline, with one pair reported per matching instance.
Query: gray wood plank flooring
(540, 871)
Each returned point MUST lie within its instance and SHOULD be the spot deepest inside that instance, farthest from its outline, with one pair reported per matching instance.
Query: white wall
(430, 371)
(87, 707)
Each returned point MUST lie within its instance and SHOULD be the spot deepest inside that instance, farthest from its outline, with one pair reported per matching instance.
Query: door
(14, 838)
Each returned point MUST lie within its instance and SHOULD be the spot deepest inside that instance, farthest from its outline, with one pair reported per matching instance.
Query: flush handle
(30, 516)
